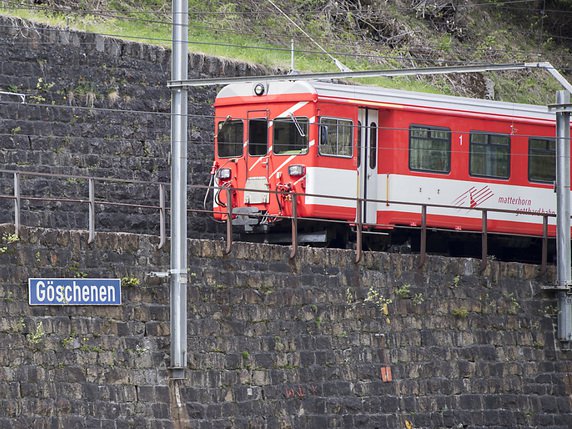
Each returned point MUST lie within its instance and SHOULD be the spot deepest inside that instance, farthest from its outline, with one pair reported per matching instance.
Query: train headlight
(296, 170)
(223, 174)
(259, 89)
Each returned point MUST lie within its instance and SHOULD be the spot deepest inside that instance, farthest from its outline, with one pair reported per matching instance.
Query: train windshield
(291, 136)
(230, 135)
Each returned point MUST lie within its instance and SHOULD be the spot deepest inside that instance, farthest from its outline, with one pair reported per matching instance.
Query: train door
(256, 170)
(367, 161)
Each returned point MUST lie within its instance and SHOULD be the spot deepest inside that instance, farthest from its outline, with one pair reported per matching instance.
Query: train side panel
(433, 150)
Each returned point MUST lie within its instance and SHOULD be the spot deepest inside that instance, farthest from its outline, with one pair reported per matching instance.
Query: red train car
(394, 149)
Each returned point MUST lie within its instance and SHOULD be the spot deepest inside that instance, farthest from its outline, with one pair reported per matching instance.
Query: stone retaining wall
(313, 342)
(98, 106)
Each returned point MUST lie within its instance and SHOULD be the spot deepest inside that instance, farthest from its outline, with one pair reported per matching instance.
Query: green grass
(208, 39)
(222, 30)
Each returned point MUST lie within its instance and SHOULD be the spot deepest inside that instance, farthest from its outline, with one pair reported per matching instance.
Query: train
(336, 154)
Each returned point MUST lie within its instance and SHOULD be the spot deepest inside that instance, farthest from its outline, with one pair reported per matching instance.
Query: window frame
(447, 149)
(545, 139)
(373, 132)
(289, 119)
(250, 144)
(219, 125)
(488, 144)
(350, 145)
(359, 143)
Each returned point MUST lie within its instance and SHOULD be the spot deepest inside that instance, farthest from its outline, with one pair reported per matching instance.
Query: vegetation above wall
(361, 34)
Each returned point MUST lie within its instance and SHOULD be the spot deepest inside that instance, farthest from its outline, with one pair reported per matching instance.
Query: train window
(430, 149)
(358, 148)
(230, 134)
(290, 136)
(257, 137)
(490, 155)
(336, 137)
(541, 159)
(372, 145)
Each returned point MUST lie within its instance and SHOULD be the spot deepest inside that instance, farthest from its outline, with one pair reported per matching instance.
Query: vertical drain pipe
(564, 279)
(178, 303)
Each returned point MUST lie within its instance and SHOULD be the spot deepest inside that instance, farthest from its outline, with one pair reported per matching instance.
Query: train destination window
(541, 159)
(429, 149)
(257, 137)
(358, 143)
(230, 134)
(290, 136)
(490, 155)
(372, 145)
(336, 137)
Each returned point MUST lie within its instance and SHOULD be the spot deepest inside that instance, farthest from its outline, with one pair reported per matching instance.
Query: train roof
(318, 90)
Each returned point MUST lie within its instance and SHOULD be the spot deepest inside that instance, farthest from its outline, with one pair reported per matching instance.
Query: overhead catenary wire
(370, 56)
(266, 48)
(157, 39)
(338, 64)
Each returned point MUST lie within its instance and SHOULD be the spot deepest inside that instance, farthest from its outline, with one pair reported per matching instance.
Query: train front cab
(263, 144)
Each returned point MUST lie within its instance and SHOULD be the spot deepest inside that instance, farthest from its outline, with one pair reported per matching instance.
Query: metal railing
(358, 226)
(91, 200)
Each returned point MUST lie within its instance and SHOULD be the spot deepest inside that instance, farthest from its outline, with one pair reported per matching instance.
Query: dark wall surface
(313, 342)
(97, 106)
(279, 343)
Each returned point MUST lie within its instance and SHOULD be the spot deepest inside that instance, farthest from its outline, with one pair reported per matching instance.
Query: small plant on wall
(130, 281)
(380, 302)
(37, 335)
(460, 313)
(6, 240)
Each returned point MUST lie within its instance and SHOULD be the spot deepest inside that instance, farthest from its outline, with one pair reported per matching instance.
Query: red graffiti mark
(289, 393)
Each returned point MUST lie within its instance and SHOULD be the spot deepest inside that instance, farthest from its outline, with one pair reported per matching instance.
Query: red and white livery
(388, 147)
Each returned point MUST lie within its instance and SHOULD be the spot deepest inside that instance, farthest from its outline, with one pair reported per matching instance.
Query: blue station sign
(74, 291)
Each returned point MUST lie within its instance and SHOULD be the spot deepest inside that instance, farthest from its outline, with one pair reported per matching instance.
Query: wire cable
(371, 56)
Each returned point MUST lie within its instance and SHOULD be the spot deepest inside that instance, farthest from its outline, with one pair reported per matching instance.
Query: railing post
(294, 248)
(359, 226)
(423, 242)
(544, 262)
(91, 221)
(228, 221)
(17, 203)
(484, 242)
(162, 216)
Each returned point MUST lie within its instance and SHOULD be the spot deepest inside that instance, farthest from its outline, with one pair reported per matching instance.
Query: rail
(91, 200)
(359, 225)
(17, 197)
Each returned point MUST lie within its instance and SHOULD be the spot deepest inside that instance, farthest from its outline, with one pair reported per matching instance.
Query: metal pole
(294, 248)
(228, 248)
(563, 217)
(292, 55)
(544, 243)
(359, 237)
(179, 71)
(484, 241)
(162, 215)
(563, 191)
(423, 238)
(17, 204)
(91, 217)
